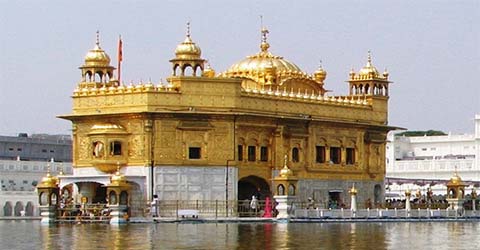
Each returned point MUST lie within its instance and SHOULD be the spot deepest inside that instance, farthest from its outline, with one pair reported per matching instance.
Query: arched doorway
(94, 191)
(253, 185)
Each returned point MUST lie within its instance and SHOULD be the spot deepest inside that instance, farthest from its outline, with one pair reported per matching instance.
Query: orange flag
(120, 58)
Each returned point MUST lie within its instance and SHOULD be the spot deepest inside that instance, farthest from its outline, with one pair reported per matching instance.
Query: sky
(431, 49)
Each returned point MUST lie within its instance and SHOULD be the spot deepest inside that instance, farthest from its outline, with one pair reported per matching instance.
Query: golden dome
(320, 74)
(188, 49)
(286, 172)
(118, 179)
(97, 56)
(48, 181)
(455, 180)
(256, 65)
(369, 70)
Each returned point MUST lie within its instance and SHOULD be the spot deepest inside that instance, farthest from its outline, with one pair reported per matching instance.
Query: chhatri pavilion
(224, 136)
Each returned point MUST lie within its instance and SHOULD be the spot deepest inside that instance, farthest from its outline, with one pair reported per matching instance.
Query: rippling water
(400, 235)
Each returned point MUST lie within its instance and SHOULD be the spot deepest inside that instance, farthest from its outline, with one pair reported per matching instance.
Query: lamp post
(353, 202)
(408, 206)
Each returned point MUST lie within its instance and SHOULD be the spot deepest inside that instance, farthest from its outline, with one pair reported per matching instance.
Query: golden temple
(209, 136)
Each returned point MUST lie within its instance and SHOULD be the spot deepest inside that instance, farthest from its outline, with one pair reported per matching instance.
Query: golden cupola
(368, 81)
(187, 55)
(320, 74)
(265, 70)
(96, 70)
(97, 56)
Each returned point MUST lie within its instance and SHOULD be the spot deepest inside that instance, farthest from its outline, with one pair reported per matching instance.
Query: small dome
(369, 70)
(188, 50)
(208, 72)
(118, 178)
(286, 172)
(455, 180)
(97, 56)
(320, 74)
(48, 181)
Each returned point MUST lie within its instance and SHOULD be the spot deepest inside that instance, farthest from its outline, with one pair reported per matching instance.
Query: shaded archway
(7, 209)
(18, 208)
(253, 185)
(29, 209)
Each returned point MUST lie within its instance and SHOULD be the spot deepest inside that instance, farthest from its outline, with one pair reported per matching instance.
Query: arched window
(98, 149)
(280, 189)
(291, 189)
(43, 199)
(252, 153)
(123, 198)
(295, 155)
(112, 198)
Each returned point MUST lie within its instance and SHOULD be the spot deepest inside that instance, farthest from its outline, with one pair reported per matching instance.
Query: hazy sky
(431, 49)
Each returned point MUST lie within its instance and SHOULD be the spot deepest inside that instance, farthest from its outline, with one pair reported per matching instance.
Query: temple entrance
(94, 193)
(253, 185)
(335, 199)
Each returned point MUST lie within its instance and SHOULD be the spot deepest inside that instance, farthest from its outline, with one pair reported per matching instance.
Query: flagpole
(120, 58)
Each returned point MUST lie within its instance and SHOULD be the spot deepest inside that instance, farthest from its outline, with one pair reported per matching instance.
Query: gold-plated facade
(247, 118)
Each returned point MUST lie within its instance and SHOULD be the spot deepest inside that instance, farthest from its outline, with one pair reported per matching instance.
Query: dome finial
(369, 57)
(97, 41)
(264, 44)
(188, 29)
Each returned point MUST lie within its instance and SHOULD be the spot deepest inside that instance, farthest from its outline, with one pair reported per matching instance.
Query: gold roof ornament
(256, 66)
(456, 180)
(208, 72)
(369, 70)
(118, 179)
(353, 190)
(286, 172)
(48, 181)
(97, 56)
(320, 74)
(258, 62)
(188, 49)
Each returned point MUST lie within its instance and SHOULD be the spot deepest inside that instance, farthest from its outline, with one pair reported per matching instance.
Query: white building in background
(24, 161)
(420, 162)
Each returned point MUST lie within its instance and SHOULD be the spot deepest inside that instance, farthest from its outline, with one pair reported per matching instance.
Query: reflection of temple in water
(208, 136)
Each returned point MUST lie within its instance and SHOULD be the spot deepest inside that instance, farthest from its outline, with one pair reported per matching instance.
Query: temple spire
(97, 41)
(188, 29)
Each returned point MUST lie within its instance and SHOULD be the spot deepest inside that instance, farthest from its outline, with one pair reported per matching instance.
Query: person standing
(254, 204)
(154, 206)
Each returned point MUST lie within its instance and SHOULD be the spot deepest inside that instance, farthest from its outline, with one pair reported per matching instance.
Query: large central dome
(261, 61)
(264, 70)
